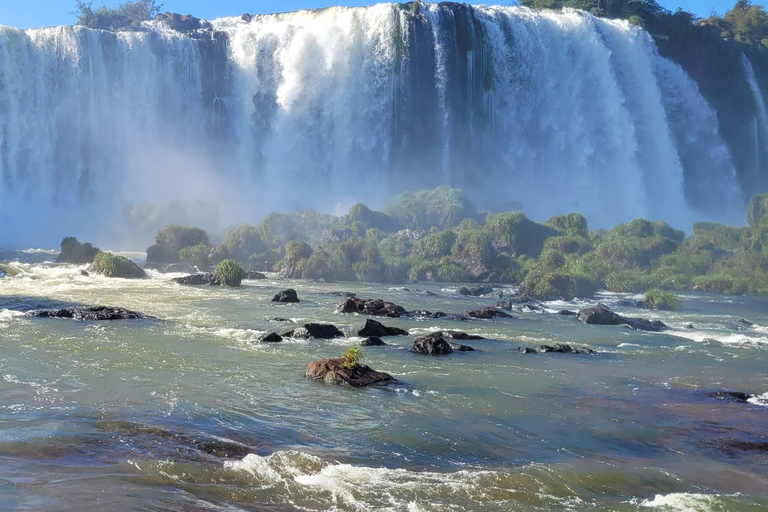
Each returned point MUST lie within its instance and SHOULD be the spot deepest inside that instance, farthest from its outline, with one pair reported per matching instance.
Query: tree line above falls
(440, 235)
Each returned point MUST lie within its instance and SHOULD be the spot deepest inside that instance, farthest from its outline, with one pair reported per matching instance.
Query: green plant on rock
(352, 358)
(173, 238)
(515, 233)
(110, 265)
(196, 255)
(230, 273)
(242, 241)
(661, 300)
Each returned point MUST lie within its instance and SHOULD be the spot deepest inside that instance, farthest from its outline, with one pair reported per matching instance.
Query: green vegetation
(230, 273)
(109, 265)
(442, 207)
(196, 255)
(661, 299)
(172, 239)
(128, 15)
(352, 357)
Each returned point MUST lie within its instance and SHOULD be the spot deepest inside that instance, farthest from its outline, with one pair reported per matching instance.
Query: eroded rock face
(73, 251)
(602, 315)
(313, 330)
(374, 328)
(289, 296)
(198, 279)
(333, 371)
(89, 313)
(373, 307)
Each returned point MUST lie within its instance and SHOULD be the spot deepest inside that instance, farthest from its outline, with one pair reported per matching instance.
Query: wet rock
(628, 303)
(566, 312)
(372, 341)
(433, 344)
(730, 396)
(255, 276)
(476, 292)
(461, 348)
(558, 348)
(744, 324)
(431, 294)
(180, 268)
(459, 335)
(313, 330)
(689, 326)
(278, 319)
(272, 337)
(374, 328)
(333, 371)
(602, 315)
(732, 446)
(342, 294)
(84, 273)
(373, 307)
(73, 251)
(288, 295)
(223, 449)
(423, 313)
(207, 278)
(488, 313)
(88, 313)
(246, 17)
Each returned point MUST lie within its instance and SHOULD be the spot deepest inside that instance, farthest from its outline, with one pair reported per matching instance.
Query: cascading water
(558, 112)
(760, 123)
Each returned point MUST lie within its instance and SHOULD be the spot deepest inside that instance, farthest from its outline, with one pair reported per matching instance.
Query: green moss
(109, 265)
(230, 272)
(662, 300)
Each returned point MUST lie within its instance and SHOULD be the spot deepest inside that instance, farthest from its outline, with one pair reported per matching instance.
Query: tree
(749, 23)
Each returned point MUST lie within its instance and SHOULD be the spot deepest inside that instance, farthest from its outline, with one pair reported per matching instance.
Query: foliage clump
(230, 273)
(110, 265)
(172, 239)
(128, 15)
(442, 207)
(352, 357)
(664, 300)
(196, 255)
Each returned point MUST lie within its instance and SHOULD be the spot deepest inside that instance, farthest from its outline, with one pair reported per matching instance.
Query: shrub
(352, 357)
(242, 241)
(442, 207)
(230, 273)
(109, 265)
(196, 255)
(474, 251)
(515, 233)
(363, 219)
(435, 245)
(662, 300)
(277, 229)
(173, 238)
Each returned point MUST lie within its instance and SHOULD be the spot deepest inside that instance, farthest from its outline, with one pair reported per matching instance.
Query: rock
(461, 348)
(73, 251)
(288, 295)
(374, 328)
(332, 371)
(255, 276)
(487, 313)
(180, 268)
(689, 326)
(246, 17)
(84, 273)
(565, 312)
(88, 313)
(319, 331)
(423, 313)
(278, 319)
(558, 348)
(744, 323)
(476, 292)
(431, 294)
(223, 449)
(110, 265)
(459, 335)
(198, 279)
(628, 303)
(372, 341)
(272, 337)
(431, 344)
(373, 307)
(602, 315)
(730, 396)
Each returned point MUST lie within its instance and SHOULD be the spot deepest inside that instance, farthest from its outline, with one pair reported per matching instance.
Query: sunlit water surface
(109, 416)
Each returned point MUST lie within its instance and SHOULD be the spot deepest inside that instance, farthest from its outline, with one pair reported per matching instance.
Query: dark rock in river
(374, 328)
(488, 313)
(88, 313)
(565, 312)
(272, 337)
(223, 449)
(84, 273)
(73, 251)
(333, 371)
(319, 331)
(373, 307)
(423, 313)
(372, 341)
(744, 324)
(198, 279)
(288, 295)
(459, 335)
(602, 315)
(476, 292)
(558, 348)
(730, 396)
(255, 276)
(432, 344)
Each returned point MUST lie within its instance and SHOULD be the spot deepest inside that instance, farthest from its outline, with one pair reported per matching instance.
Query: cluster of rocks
(88, 313)
(558, 348)
(602, 315)
(379, 307)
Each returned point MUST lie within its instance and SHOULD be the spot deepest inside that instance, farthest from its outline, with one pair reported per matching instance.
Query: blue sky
(41, 13)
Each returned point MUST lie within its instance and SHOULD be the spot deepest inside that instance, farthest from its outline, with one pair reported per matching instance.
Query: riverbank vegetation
(448, 239)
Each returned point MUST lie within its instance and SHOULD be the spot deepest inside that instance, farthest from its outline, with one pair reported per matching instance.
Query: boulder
(272, 337)
(246, 17)
(566, 312)
(461, 348)
(374, 328)
(73, 251)
(373, 307)
(88, 313)
(558, 348)
(476, 292)
(459, 335)
(488, 313)
(255, 276)
(372, 341)
(288, 295)
(110, 265)
(602, 315)
(313, 330)
(423, 313)
(432, 344)
(730, 396)
(198, 279)
(334, 371)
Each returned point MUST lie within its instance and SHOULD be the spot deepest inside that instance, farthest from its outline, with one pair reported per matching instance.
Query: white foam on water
(759, 400)
(682, 502)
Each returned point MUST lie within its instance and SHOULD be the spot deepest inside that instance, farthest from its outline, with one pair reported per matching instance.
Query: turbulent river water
(116, 415)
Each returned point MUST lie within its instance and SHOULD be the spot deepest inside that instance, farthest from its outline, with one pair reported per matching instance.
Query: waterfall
(760, 122)
(557, 112)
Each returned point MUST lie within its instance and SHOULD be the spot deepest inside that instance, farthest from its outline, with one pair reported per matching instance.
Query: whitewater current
(544, 111)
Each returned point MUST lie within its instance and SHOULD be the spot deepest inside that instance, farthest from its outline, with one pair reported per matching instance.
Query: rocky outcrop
(435, 344)
(313, 330)
(73, 251)
(558, 348)
(459, 335)
(372, 341)
(255, 276)
(272, 337)
(198, 279)
(373, 307)
(289, 296)
(110, 265)
(476, 292)
(488, 313)
(334, 371)
(88, 313)
(602, 315)
(423, 313)
(374, 328)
